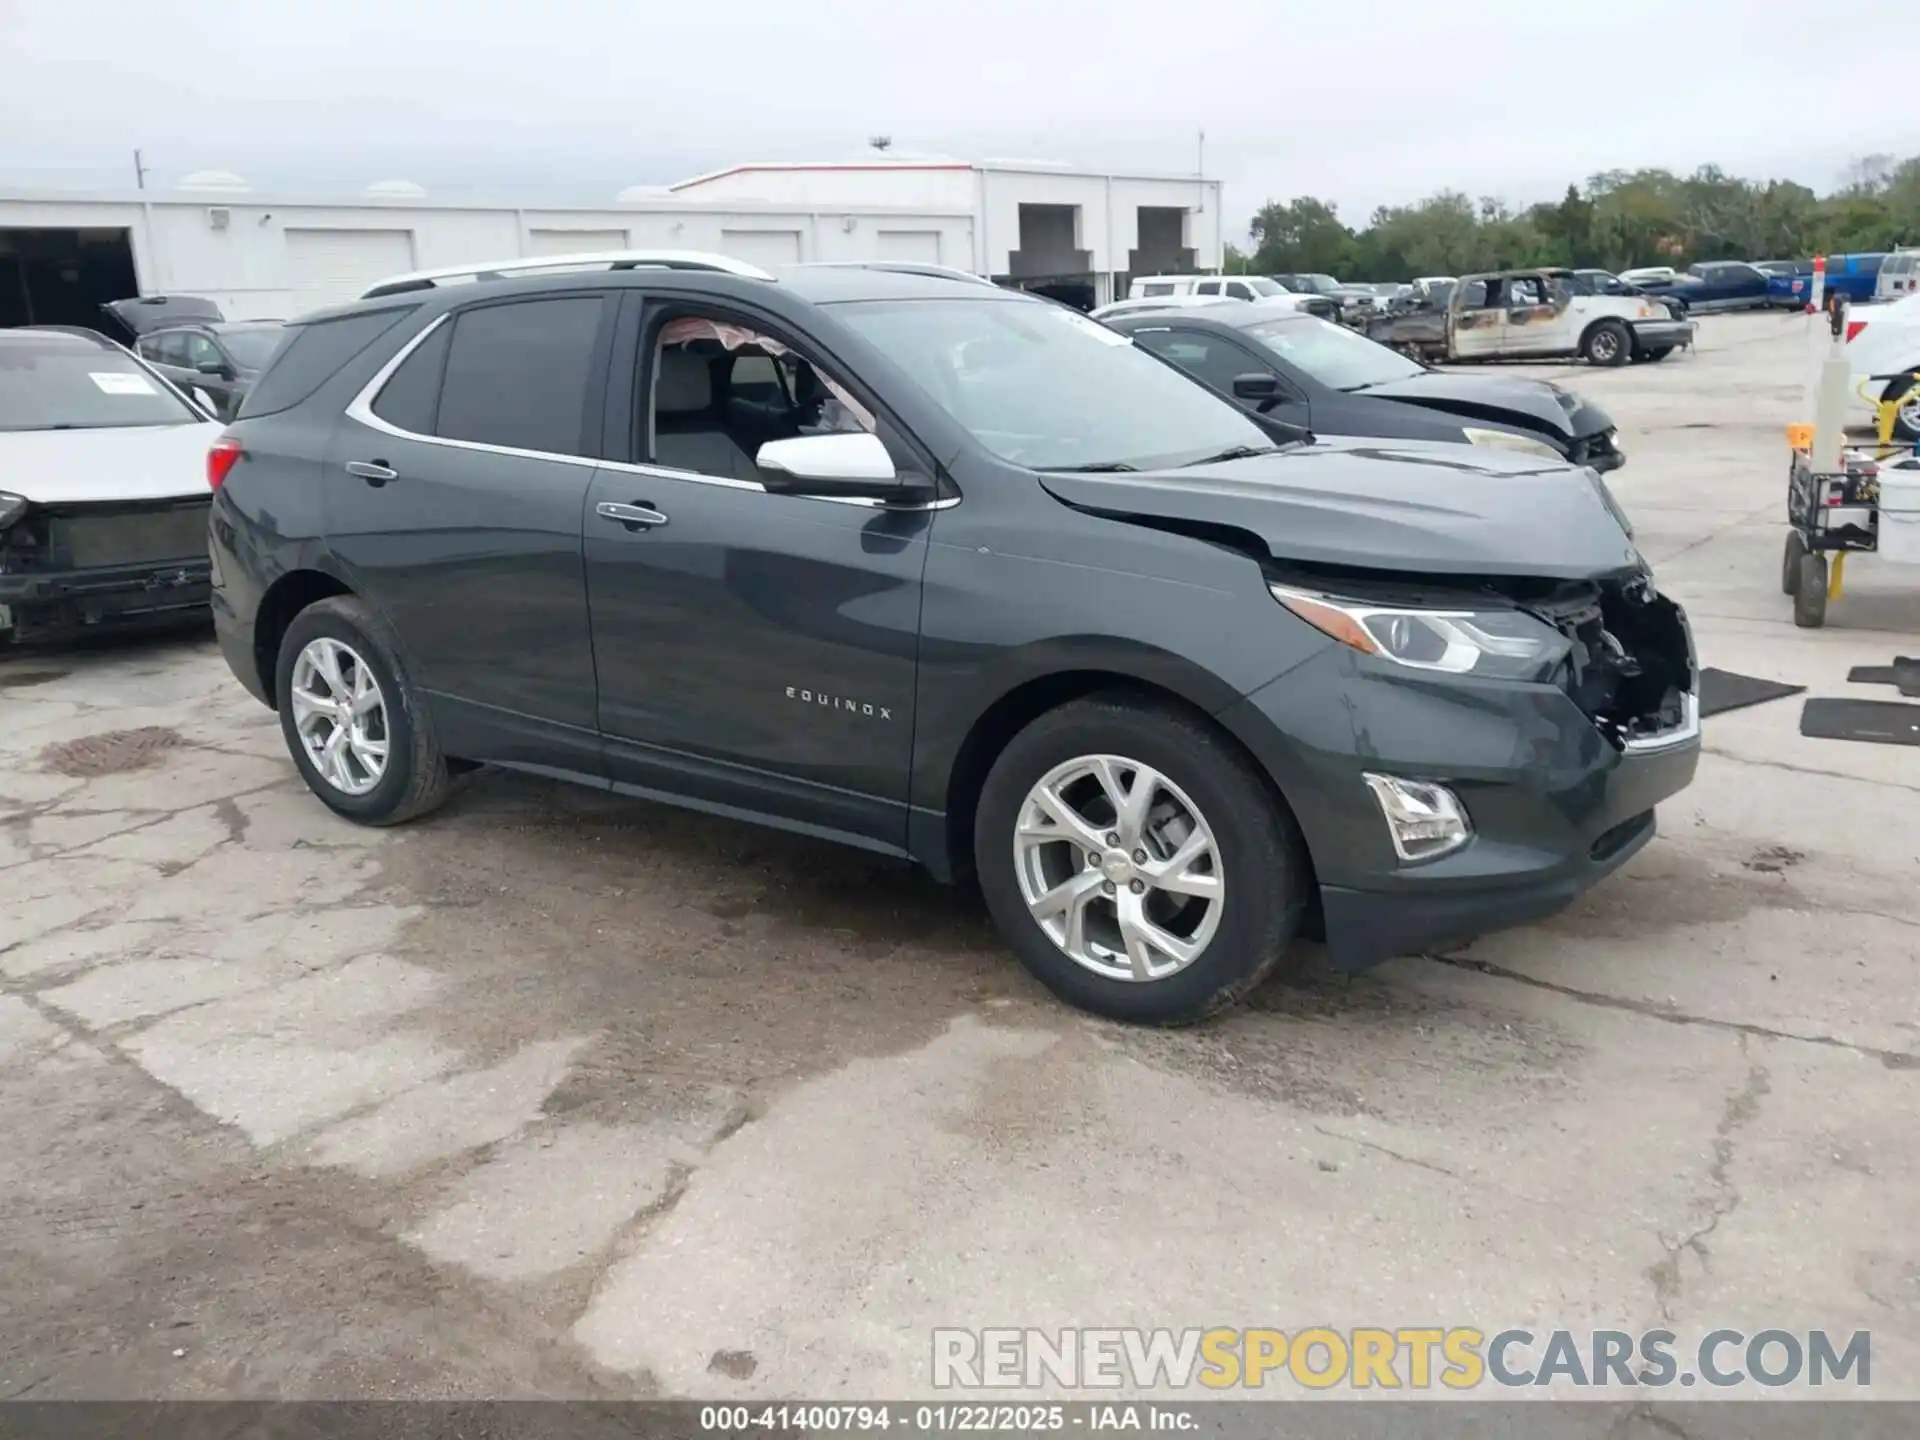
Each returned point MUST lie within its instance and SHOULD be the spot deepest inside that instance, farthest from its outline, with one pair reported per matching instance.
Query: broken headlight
(1494, 643)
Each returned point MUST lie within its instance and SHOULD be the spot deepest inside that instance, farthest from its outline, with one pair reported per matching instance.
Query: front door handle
(634, 517)
(374, 472)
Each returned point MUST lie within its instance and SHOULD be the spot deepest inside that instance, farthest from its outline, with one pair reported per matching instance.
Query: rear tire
(1204, 798)
(1810, 591)
(344, 655)
(1607, 343)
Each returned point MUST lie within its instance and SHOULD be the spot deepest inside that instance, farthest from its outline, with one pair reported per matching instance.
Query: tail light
(1854, 327)
(224, 455)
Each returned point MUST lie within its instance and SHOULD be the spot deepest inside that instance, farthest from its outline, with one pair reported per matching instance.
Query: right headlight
(1497, 644)
(1507, 440)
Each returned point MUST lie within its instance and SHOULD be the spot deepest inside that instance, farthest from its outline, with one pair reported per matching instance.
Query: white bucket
(1900, 515)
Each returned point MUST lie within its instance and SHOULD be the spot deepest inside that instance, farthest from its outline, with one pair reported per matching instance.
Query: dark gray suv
(955, 575)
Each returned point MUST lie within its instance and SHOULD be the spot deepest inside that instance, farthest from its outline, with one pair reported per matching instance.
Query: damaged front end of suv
(1501, 698)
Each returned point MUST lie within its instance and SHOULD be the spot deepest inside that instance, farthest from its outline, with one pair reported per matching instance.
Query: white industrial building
(1045, 226)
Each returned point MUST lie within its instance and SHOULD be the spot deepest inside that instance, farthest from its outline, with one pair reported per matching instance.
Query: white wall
(969, 216)
(243, 266)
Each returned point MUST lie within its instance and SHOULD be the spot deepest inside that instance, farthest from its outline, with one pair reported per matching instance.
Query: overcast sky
(1363, 103)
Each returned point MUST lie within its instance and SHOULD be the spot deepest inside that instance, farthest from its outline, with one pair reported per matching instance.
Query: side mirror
(851, 464)
(1265, 389)
(217, 368)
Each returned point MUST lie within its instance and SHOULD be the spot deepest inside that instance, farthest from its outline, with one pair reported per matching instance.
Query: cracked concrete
(556, 1094)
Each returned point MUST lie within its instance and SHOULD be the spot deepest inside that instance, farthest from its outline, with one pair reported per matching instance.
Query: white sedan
(103, 489)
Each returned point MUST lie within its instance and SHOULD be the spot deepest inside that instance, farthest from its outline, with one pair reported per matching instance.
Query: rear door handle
(374, 472)
(632, 516)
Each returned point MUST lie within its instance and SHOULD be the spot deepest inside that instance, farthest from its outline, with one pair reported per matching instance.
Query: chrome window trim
(360, 411)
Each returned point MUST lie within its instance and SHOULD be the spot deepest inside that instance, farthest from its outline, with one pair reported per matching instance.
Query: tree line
(1617, 220)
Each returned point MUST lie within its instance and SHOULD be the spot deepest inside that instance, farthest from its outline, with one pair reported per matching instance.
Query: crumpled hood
(66, 467)
(1439, 509)
(1534, 404)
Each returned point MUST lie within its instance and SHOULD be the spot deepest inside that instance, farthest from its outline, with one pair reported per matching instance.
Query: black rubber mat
(1723, 690)
(1874, 722)
(1903, 675)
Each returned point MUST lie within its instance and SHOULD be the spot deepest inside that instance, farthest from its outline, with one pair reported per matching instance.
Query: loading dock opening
(62, 276)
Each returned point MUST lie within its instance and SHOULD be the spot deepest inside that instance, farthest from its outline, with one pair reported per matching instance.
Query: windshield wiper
(1094, 467)
(1234, 452)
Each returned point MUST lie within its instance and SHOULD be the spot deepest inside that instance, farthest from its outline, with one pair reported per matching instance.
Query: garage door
(762, 247)
(574, 242)
(328, 267)
(920, 246)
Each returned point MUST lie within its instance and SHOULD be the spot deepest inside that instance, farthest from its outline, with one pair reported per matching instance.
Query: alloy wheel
(340, 715)
(1119, 868)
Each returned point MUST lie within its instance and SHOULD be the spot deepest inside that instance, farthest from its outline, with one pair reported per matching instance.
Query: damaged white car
(103, 489)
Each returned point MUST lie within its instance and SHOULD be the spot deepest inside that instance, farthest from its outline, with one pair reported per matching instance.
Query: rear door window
(517, 375)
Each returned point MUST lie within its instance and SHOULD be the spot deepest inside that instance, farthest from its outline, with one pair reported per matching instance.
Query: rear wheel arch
(282, 602)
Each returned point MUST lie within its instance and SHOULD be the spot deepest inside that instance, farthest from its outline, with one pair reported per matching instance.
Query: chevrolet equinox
(957, 575)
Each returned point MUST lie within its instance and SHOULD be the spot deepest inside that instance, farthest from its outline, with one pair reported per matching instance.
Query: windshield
(54, 382)
(1261, 285)
(1049, 389)
(1320, 284)
(252, 348)
(1333, 354)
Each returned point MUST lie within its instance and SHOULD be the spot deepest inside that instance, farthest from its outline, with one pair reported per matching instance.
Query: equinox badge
(836, 702)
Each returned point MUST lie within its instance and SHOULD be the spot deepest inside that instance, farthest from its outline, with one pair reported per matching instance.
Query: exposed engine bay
(73, 567)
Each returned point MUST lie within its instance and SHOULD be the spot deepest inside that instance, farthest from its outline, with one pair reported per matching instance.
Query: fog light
(1426, 821)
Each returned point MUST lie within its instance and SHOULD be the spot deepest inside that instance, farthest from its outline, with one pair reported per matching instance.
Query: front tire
(354, 724)
(1659, 353)
(1790, 563)
(1136, 862)
(1607, 343)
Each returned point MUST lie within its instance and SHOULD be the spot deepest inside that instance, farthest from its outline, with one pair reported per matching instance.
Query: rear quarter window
(312, 354)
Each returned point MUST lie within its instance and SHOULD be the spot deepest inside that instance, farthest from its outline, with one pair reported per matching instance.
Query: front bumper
(1663, 334)
(53, 604)
(1554, 804)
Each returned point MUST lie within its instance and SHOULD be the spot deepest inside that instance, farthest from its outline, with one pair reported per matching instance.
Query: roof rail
(904, 267)
(534, 264)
